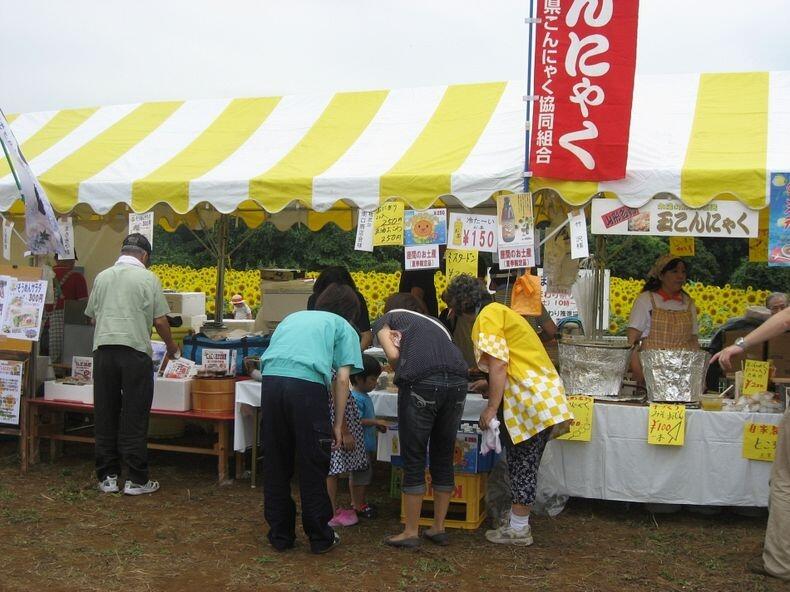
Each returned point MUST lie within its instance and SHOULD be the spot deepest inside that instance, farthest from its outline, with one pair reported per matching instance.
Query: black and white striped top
(425, 348)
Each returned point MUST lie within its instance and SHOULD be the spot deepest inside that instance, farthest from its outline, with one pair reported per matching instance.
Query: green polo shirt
(124, 301)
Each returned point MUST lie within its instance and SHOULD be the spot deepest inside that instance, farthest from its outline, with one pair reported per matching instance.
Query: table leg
(56, 446)
(223, 437)
(239, 465)
(33, 441)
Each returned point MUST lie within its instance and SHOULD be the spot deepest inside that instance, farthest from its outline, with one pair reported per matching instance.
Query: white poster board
(561, 304)
(422, 257)
(23, 309)
(144, 224)
(10, 391)
(472, 231)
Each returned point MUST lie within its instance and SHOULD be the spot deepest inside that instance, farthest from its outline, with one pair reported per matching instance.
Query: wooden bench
(46, 420)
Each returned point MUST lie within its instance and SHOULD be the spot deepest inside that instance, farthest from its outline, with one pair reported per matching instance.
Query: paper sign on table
(217, 360)
(364, 240)
(666, 424)
(8, 231)
(388, 224)
(180, 368)
(577, 221)
(460, 261)
(759, 441)
(82, 367)
(581, 427)
(755, 377)
(10, 391)
(423, 257)
(682, 246)
(144, 224)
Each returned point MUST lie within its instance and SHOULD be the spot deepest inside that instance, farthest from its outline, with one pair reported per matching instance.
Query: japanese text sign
(759, 441)
(66, 226)
(666, 424)
(779, 220)
(585, 57)
(670, 217)
(682, 246)
(578, 225)
(144, 224)
(388, 224)
(755, 377)
(460, 261)
(23, 309)
(364, 240)
(581, 426)
(10, 391)
(82, 367)
(425, 228)
(8, 231)
(424, 257)
(473, 231)
(516, 231)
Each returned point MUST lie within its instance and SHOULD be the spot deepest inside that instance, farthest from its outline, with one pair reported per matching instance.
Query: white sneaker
(135, 489)
(507, 535)
(109, 485)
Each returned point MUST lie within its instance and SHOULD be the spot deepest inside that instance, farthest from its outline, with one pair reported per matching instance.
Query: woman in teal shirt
(296, 376)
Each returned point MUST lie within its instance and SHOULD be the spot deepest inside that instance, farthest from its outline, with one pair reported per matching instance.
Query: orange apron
(671, 329)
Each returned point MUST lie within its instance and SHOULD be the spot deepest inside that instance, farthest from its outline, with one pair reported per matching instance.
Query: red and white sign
(585, 57)
(421, 257)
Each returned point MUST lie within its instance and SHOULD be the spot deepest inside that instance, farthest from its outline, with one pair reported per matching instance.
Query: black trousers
(294, 418)
(123, 388)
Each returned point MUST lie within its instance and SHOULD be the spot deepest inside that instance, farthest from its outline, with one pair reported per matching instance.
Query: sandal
(409, 543)
(440, 538)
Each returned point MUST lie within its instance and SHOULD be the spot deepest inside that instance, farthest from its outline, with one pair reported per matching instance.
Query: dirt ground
(57, 532)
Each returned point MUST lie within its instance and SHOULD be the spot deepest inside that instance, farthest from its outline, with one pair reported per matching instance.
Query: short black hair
(341, 300)
(406, 301)
(136, 241)
(370, 367)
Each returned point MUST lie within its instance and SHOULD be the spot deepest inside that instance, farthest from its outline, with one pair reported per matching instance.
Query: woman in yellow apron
(663, 315)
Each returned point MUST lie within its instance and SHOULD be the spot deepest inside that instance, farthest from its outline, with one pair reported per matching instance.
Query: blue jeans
(430, 410)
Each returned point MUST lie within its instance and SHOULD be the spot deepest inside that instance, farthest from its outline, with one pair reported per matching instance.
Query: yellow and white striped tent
(694, 136)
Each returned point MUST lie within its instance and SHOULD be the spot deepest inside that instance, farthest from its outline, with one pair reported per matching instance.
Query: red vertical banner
(585, 57)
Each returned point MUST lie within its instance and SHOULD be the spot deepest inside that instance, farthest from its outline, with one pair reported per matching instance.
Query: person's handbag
(525, 298)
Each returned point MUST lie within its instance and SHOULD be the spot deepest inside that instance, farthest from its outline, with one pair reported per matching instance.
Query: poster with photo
(428, 227)
(779, 221)
(82, 368)
(24, 306)
(515, 231)
(11, 376)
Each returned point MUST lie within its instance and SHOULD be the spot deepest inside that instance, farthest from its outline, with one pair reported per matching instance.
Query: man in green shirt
(126, 300)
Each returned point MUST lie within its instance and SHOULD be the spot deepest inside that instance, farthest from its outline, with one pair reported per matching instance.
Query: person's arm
(549, 330)
(366, 340)
(776, 325)
(497, 379)
(387, 339)
(380, 424)
(163, 328)
(340, 395)
(633, 335)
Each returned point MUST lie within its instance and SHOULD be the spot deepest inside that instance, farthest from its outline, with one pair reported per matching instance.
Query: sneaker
(109, 485)
(507, 535)
(367, 511)
(347, 517)
(136, 489)
(335, 543)
(335, 521)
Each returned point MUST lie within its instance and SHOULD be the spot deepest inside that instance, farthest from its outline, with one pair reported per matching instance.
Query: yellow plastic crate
(467, 503)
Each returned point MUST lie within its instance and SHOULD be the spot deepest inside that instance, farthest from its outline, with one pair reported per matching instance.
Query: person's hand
(337, 437)
(396, 337)
(479, 386)
(173, 351)
(724, 357)
(486, 416)
(382, 425)
(348, 442)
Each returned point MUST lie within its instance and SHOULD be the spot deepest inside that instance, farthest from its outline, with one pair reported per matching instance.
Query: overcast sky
(57, 54)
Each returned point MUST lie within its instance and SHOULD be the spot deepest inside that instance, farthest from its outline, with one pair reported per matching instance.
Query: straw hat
(236, 299)
(660, 264)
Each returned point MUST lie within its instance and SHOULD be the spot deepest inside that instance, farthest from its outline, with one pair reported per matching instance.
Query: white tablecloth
(248, 392)
(619, 464)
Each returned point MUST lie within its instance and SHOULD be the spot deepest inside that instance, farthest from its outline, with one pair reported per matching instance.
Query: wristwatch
(740, 342)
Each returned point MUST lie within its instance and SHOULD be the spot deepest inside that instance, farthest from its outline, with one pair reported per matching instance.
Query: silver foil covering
(674, 376)
(593, 368)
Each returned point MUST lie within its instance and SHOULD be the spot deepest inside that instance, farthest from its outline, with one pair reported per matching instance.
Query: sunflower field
(714, 304)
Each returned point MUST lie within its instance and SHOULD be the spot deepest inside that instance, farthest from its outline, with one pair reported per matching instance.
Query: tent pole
(222, 250)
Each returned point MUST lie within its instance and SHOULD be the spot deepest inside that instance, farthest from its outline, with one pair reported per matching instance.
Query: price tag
(364, 240)
(472, 231)
(578, 223)
(460, 261)
(388, 224)
(581, 426)
(755, 377)
(682, 246)
(759, 441)
(666, 424)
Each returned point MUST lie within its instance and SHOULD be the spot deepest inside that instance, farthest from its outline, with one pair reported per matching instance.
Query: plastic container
(711, 402)
(214, 395)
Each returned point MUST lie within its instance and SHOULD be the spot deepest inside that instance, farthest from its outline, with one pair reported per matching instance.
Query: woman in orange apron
(663, 315)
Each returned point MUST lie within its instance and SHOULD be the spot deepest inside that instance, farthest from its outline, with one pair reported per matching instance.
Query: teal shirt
(309, 345)
(124, 301)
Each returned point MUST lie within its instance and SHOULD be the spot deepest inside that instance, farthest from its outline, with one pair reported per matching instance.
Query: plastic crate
(396, 481)
(467, 502)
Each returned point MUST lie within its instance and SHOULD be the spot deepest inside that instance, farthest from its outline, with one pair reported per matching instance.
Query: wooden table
(46, 421)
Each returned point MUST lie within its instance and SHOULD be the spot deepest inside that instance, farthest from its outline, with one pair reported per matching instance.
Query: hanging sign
(561, 304)
(473, 231)
(584, 79)
(364, 240)
(388, 224)
(755, 377)
(82, 367)
(144, 224)
(8, 231)
(23, 309)
(666, 424)
(66, 226)
(577, 221)
(424, 257)
(581, 427)
(428, 227)
(758, 247)
(460, 261)
(779, 221)
(516, 231)
(10, 391)
(759, 441)
(670, 217)
(681, 246)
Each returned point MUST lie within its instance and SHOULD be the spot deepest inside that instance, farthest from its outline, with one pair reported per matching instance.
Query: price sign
(460, 261)
(472, 231)
(755, 377)
(759, 441)
(682, 246)
(364, 240)
(144, 224)
(581, 426)
(666, 424)
(388, 224)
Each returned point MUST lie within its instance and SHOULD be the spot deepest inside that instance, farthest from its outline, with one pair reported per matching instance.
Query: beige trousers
(776, 553)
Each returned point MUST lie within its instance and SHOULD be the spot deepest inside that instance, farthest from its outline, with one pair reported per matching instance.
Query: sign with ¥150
(670, 217)
(472, 231)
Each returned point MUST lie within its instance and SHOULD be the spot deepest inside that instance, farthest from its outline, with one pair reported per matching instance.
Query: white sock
(518, 522)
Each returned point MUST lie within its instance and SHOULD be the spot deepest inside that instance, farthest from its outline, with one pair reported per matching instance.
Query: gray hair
(773, 295)
(133, 251)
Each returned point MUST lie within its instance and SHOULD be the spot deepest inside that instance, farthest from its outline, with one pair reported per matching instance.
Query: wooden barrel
(214, 395)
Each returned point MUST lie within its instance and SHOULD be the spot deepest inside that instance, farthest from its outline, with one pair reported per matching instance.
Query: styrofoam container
(187, 304)
(76, 393)
(172, 394)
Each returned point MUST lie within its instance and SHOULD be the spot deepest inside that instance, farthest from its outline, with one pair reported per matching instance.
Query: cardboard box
(187, 304)
(281, 275)
(755, 352)
(76, 393)
(467, 457)
(172, 394)
(279, 299)
(778, 352)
